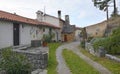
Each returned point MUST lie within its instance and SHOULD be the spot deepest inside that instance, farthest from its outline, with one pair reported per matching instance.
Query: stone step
(39, 71)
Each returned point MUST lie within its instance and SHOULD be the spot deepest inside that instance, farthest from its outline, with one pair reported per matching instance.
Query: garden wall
(38, 57)
(99, 53)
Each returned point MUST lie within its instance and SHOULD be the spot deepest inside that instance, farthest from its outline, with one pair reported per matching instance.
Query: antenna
(44, 10)
(44, 13)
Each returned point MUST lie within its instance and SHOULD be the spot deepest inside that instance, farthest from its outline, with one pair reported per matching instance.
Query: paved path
(63, 69)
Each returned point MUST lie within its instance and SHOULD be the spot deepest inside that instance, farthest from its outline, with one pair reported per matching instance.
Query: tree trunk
(115, 9)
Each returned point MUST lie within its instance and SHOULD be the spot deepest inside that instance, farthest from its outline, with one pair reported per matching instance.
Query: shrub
(115, 49)
(111, 43)
(98, 42)
(48, 37)
(89, 39)
(13, 63)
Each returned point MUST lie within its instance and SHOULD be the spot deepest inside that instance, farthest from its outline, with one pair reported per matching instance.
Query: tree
(84, 37)
(104, 4)
(101, 4)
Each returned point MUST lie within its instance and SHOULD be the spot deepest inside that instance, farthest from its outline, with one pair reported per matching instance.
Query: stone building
(43, 17)
(112, 24)
(68, 31)
(96, 30)
(103, 28)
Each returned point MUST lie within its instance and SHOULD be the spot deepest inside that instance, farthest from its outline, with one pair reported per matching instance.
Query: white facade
(55, 31)
(6, 34)
(26, 33)
(47, 18)
(51, 20)
(57, 34)
(77, 34)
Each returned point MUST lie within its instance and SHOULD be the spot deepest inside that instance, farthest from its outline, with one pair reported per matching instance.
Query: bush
(48, 37)
(89, 39)
(111, 43)
(13, 63)
(98, 42)
(115, 50)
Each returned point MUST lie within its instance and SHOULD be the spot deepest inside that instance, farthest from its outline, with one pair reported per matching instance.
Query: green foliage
(89, 39)
(52, 63)
(83, 33)
(48, 37)
(114, 41)
(84, 37)
(111, 43)
(82, 44)
(13, 63)
(101, 4)
(111, 65)
(76, 64)
(98, 42)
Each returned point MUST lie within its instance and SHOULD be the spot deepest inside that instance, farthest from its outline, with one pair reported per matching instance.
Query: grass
(111, 65)
(76, 64)
(52, 63)
(117, 56)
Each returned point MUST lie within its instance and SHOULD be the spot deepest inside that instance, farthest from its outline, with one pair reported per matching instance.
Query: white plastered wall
(6, 34)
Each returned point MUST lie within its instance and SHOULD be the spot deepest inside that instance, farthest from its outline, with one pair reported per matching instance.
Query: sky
(81, 12)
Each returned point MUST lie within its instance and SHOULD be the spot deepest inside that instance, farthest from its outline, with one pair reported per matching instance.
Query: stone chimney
(67, 19)
(39, 16)
(59, 14)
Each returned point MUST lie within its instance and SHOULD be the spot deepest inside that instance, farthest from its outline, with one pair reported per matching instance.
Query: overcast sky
(82, 12)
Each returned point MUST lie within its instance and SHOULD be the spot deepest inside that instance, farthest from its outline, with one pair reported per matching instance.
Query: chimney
(67, 19)
(59, 14)
(39, 16)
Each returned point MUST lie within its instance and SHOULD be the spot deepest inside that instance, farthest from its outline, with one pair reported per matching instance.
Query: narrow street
(63, 69)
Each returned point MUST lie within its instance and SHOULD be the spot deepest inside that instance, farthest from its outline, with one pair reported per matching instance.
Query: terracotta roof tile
(14, 17)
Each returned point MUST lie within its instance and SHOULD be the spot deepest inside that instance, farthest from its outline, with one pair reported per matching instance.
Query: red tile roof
(14, 17)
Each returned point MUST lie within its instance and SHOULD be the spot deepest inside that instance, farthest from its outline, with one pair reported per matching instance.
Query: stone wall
(89, 48)
(112, 57)
(38, 61)
(96, 30)
(38, 57)
(100, 52)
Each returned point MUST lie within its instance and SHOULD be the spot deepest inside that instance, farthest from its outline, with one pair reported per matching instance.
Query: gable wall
(97, 30)
(52, 20)
(6, 34)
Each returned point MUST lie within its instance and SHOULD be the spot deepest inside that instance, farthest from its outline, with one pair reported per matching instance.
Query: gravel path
(63, 69)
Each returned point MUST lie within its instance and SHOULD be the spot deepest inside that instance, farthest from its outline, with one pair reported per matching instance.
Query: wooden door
(65, 38)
